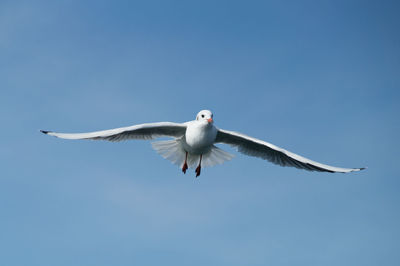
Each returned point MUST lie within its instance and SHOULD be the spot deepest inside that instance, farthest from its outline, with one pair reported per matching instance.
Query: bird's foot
(198, 170)
(184, 168)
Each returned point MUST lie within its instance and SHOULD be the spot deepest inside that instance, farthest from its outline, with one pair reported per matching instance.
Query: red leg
(199, 167)
(185, 166)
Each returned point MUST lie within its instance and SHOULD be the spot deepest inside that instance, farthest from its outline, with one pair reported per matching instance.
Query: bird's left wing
(142, 131)
(267, 151)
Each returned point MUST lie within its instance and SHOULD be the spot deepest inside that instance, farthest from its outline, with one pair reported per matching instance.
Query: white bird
(193, 144)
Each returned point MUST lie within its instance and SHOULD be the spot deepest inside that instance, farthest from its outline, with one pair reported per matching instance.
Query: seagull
(193, 144)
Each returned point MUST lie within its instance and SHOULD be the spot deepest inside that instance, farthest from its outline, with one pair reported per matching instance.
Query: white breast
(199, 137)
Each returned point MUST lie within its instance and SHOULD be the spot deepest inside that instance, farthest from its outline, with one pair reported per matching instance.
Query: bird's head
(206, 116)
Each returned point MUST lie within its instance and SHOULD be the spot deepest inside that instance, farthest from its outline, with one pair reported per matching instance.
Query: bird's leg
(199, 167)
(185, 166)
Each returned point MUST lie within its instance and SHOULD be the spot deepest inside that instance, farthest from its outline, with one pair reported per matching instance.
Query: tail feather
(172, 150)
(215, 156)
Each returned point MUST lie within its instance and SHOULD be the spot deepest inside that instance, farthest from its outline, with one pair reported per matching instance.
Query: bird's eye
(202, 116)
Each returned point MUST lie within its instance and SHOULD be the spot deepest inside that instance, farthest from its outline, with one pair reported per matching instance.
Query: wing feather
(267, 151)
(142, 131)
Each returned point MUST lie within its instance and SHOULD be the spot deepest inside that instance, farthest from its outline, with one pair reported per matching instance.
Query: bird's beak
(210, 120)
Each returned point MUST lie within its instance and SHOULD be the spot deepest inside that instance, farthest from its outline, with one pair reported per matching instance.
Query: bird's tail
(215, 156)
(172, 150)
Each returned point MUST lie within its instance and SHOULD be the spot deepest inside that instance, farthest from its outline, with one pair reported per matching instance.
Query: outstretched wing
(267, 151)
(142, 131)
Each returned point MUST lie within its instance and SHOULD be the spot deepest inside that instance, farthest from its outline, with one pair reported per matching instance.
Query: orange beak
(210, 120)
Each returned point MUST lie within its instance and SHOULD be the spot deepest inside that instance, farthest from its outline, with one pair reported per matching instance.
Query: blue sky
(320, 78)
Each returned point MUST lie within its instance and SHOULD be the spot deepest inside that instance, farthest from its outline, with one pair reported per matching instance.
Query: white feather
(173, 151)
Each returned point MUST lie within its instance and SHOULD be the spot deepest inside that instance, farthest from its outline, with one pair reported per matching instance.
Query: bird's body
(193, 144)
(199, 137)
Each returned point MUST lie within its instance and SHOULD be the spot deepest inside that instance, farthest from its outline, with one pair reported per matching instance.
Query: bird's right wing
(267, 151)
(142, 131)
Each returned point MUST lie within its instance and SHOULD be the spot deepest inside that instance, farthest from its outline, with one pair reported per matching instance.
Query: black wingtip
(44, 131)
(363, 168)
